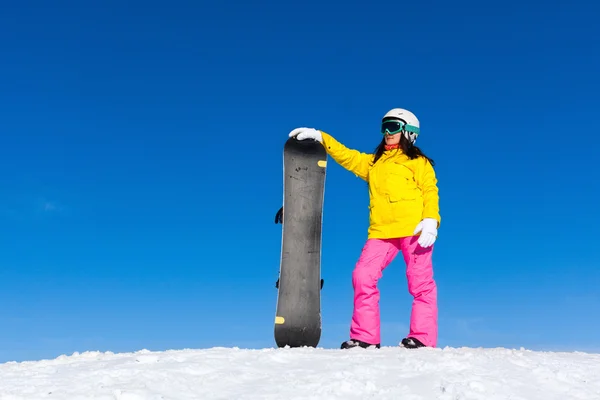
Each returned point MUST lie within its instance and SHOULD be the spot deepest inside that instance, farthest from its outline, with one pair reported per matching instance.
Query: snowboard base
(298, 312)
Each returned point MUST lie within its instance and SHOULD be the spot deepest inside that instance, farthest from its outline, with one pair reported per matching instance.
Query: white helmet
(412, 127)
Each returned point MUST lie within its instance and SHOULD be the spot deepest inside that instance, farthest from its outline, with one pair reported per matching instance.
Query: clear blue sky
(141, 167)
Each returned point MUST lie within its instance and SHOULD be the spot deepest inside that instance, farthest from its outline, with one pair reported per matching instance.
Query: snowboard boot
(358, 343)
(411, 343)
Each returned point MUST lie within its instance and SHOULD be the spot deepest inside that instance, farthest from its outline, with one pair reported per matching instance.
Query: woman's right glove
(307, 133)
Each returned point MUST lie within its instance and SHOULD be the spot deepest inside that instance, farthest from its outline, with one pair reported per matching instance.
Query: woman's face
(393, 139)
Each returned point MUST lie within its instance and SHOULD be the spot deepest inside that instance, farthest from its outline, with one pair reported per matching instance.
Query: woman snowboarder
(404, 216)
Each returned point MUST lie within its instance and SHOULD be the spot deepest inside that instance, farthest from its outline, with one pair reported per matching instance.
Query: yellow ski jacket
(401, 191)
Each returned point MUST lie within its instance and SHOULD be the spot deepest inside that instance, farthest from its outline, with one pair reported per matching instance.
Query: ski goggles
(391, 127)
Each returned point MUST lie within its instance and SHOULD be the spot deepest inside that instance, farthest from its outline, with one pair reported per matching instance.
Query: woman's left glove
(428, 229)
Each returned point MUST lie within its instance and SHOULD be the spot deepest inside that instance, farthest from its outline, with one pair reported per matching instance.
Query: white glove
(307, 133)
(428, 229)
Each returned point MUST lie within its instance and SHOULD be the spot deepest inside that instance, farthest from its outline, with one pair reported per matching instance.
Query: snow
(308, 373)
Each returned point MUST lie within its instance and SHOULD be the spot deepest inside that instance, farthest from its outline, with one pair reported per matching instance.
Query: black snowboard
(298, 313)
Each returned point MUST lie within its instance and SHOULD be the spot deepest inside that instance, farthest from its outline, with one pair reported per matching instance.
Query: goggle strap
(411, 128)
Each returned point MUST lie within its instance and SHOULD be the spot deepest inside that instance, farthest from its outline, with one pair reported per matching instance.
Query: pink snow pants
(376, 255)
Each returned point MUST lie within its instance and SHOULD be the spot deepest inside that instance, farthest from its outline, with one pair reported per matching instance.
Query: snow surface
(307, 373)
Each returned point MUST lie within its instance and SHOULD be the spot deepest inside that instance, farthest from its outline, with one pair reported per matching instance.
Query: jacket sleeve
(352, 160)
(427, 181)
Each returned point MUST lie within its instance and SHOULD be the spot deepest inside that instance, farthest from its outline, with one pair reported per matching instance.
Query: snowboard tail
(298, 312)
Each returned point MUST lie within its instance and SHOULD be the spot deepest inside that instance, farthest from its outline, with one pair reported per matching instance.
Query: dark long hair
(407, 147)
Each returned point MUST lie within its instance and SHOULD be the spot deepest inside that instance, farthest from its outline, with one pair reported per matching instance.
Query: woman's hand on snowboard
(306, 133)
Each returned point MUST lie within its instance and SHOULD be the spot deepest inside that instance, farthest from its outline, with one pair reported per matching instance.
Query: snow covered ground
(240, 374)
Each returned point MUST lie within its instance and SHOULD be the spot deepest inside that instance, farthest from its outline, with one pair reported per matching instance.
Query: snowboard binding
(279, 216)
